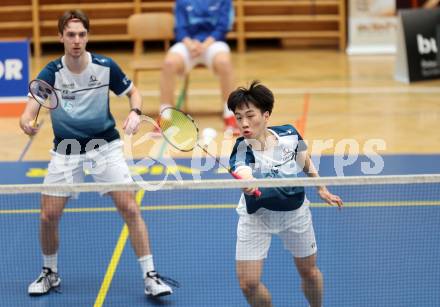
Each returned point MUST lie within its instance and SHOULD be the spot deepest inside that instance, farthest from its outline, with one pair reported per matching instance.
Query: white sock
(226, 112)
(146, 263)
(51, 262)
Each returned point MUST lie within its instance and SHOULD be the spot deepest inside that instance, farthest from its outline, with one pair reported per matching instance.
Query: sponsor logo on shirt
(214, 7)
(287, 132)
(287, 154)
(67, 95)
(69, 86)
(93, 81)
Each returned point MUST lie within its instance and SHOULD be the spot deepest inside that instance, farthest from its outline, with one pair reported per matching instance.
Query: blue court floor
(381, 250)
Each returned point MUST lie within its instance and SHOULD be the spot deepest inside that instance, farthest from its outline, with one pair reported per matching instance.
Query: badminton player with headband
(180, 131)
(272, 152)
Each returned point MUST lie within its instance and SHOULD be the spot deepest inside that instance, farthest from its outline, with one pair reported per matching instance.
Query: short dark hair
(257, 94)
(70, 15)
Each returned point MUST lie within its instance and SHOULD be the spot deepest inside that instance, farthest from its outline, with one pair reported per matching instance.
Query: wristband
(137, 111)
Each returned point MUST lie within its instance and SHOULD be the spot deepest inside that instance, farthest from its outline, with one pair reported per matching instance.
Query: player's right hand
(30, 128)
(249, 191)
(245, 172)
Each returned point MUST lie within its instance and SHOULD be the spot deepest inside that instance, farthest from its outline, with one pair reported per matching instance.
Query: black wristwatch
(137, 111)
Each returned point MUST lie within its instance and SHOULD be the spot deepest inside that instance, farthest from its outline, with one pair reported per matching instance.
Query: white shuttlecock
(165, 111)
(208, 134)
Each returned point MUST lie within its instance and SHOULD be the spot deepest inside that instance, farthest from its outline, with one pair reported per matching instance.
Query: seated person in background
(200, 33)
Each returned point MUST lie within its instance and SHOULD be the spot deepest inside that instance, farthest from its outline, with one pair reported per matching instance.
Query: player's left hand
(131, 124)
(330, 198)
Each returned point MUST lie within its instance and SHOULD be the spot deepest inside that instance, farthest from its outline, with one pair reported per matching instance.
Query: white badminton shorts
(206, 58)
(106, 164)
(295, 228)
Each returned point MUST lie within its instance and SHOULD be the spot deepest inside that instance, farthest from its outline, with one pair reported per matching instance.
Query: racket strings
(179, 129)
(43, 94)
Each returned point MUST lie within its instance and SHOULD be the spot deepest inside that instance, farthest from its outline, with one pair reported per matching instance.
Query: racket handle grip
(257, 192)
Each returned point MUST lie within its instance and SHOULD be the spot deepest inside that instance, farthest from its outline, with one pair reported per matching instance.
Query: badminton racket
(180, 131)
(44, 94)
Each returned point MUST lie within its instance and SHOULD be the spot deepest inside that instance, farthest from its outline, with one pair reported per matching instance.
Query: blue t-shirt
(199, 19)
(83, 113)
(277, 162)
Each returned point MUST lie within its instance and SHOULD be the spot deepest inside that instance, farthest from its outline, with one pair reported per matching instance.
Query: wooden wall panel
(315, 21)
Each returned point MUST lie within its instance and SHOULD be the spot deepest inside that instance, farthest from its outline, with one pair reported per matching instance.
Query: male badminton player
(81, 123)
(265, 152)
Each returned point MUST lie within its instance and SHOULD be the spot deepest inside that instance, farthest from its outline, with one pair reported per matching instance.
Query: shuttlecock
(208, 134)
(166, 111)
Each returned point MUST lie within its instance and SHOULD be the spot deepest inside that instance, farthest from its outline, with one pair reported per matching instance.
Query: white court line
(13, 99)
(320, 90)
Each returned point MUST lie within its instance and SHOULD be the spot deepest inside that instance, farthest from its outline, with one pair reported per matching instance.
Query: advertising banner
(372, 27)
(416, 57)
(14, 76)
